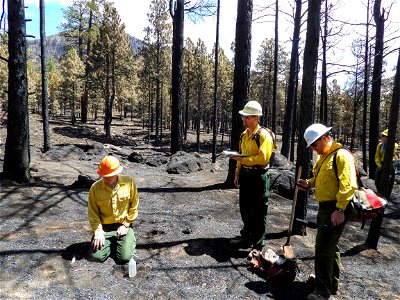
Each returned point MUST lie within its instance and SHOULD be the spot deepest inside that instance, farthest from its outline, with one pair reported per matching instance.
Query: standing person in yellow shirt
(256, 145)
(333, 192)
(379, 158)
(112, 208)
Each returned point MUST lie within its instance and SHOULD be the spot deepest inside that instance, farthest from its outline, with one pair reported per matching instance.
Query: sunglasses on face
(315, 143)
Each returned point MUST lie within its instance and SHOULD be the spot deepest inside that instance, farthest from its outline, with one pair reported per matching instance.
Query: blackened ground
(183, 231)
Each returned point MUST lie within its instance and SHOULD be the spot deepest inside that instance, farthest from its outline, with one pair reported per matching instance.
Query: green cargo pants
(327, 254)
(253, 202)
(121, 249)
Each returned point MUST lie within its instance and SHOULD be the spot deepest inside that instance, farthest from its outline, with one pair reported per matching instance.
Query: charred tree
(385, 185)
(323, 108)
(241, 76)
(365, 94)
(17, 153)
(275, 82)
(291, 94)
(45, 103)
(177, 13)
(376, 86)
(306, 103)
(214, 151)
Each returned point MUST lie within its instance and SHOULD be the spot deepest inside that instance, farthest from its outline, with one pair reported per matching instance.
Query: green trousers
(121, 249)
(253, 202)
(378, 175)
(327, 254)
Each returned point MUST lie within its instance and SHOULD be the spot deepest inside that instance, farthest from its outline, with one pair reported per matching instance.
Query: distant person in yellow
(112, 208)
(381, 150)
(256, 145)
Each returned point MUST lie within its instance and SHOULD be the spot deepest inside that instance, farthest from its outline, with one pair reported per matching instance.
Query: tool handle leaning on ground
(296, 190)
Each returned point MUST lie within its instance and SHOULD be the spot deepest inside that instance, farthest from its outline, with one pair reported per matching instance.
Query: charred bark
(177, 14)
(376, 86)
(241, 77)
(45, 103)
(291, 94)
(17, 152)
(306, 103)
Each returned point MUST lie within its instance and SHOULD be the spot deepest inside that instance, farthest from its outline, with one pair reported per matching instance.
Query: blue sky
(54, 17)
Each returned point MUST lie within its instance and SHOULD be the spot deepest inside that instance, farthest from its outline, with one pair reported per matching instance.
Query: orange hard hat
(109, 166)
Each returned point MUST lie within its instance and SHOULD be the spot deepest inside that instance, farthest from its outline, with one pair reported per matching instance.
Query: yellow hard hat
(385, 132)
(109, 166)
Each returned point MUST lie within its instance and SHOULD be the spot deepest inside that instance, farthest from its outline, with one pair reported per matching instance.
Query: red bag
(365, 205)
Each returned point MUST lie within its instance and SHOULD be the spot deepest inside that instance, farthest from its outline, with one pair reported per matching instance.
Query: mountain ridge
(56, 46)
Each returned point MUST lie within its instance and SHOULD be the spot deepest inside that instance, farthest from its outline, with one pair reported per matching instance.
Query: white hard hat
(314, 132)
(252, 108)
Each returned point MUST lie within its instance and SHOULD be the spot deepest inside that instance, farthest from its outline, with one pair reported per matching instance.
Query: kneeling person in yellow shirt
(112, 208)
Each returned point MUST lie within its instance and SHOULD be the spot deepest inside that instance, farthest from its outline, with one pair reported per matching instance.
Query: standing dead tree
(45, 106)
(379, 18)
(177, 10)
(289, 123)
(306, 102)
(17, 154)
(241, 77)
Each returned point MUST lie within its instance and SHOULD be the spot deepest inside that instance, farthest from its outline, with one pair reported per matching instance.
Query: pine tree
(110, 52)
(54, 86)
(160, 34)
(72, 70)
(80, 29)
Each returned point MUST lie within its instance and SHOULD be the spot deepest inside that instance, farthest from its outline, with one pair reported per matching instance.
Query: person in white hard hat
(256, 146)
(333, 192)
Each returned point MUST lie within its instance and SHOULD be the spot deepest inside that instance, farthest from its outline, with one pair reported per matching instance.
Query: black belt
(328, 204)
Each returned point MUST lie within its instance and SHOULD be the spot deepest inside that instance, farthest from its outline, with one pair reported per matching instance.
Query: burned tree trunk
(45, 106)
(17, 154)
(291, 94)
(178, 16)
(241, 77)
(306, 102)
(376, 86)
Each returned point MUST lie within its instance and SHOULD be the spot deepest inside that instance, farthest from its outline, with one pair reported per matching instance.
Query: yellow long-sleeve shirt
(256, 155)
(107, 206)
(326, 183)
(380, 154)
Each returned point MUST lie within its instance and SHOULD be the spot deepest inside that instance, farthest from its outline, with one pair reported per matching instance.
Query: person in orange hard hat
(112, 208)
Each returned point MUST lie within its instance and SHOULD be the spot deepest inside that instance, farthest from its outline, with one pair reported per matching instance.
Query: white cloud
(134, 15)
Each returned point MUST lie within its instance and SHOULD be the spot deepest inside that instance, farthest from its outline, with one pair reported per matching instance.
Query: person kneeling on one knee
(112, 208)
